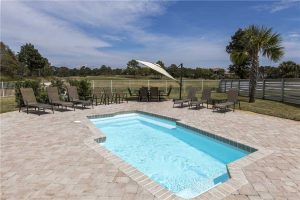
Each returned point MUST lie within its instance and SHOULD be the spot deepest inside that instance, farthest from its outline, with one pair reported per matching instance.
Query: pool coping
(235, 169)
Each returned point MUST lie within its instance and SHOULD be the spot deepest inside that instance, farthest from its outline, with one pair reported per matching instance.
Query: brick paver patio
(47, 156)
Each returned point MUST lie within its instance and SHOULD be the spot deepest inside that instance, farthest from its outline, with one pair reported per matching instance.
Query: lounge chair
(232, 99)
(205, 98)
(132, 95)
(74, 97)
(98, 95)
(143, 94)
(55, 100)
(154, 94)
(109, 96)
(168, 93)
(120, 96)
(30, 101)
(181, 102)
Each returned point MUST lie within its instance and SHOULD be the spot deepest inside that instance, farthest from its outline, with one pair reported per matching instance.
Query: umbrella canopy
(157, 68)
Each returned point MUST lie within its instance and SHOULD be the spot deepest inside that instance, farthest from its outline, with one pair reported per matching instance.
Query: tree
(173, 70)
(133, 67)
(289, 69)
(47, 71)
(162, 65)
(257, 40)
(203, 73)
(9, 64)
(242, 71)
(62, 72)
(237, 44)
(31, 58)
(105, 70)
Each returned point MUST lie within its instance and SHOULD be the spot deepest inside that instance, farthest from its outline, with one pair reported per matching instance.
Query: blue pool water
(178, 158)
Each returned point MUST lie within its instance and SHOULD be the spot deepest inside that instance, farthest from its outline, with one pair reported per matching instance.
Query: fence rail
(7, 89)
(284, 90)
(163, 84)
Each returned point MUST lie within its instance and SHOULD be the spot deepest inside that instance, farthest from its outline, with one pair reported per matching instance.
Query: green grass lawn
(7, 104)
(267, 107)
(273, 108)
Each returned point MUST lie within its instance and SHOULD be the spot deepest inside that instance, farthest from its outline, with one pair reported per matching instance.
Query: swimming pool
(181, 159)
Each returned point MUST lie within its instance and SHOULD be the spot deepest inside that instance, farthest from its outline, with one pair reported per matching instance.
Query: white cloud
(291, 43)
(54, 27)
(276, 6)
(21, 24)
(294, 35)
(51, 26)
(284, 4)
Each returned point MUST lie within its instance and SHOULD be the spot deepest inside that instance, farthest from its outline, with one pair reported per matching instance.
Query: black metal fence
(284, 90)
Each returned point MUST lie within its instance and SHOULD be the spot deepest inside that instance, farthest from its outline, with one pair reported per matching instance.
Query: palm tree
(257, 41)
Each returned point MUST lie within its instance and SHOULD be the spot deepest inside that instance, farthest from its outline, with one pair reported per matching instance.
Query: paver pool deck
(47, 156)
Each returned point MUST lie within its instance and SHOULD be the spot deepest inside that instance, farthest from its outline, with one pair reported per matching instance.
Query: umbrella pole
(180, 84)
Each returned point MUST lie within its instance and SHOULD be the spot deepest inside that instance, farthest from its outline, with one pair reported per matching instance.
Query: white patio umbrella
(157, 68)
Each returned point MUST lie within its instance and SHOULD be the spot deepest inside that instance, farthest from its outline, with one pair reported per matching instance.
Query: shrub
(35, 85)
(60, 85)
(83, 87)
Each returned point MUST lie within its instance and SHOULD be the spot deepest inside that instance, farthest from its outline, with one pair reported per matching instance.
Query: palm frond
(239, 57)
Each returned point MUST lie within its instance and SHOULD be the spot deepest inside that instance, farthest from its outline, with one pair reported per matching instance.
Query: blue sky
(92, 33)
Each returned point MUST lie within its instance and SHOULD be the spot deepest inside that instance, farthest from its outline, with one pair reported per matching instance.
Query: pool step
(196, 189)
(158, 123)
(117, 117)
(130, 119)
(117, 124)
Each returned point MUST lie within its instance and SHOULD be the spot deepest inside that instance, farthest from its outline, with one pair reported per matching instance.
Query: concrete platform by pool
(52, 157)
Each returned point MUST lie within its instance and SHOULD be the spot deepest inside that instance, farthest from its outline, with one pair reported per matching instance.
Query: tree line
(29, 62)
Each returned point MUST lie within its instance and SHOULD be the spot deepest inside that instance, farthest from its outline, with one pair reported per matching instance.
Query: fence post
(202, 85)
(263, 89)
(231, 84)
(239, 85)
(2, 88)
(93, 84)
(166, 86)
(220, 85)
(111, 85)
(183, 85)
(225, 85)
(148, 84)
(249, 88)
(282, 90)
